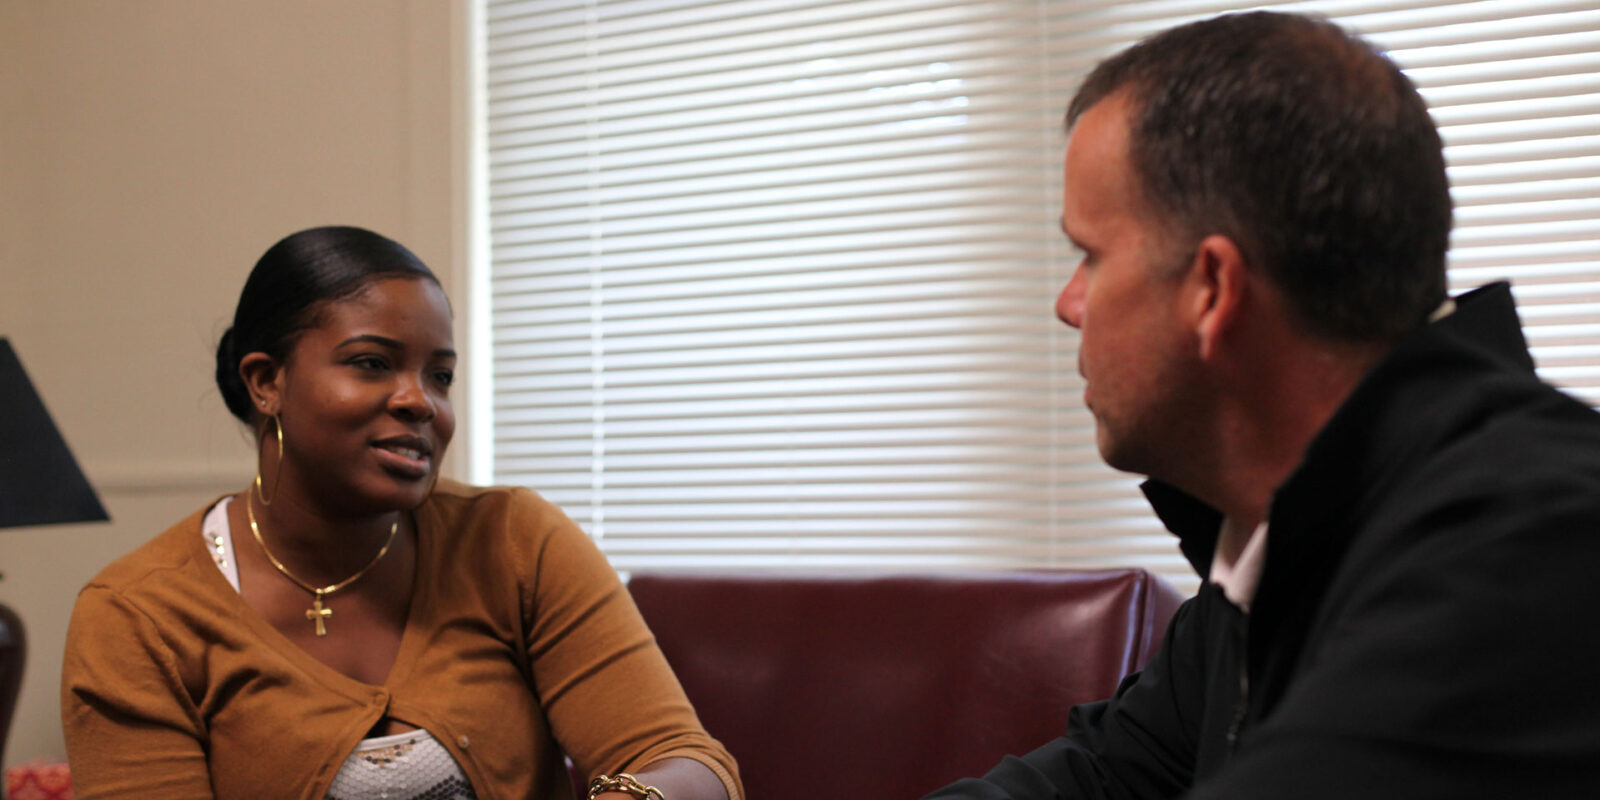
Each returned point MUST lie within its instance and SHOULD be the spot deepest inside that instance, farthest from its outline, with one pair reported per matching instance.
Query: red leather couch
(889, 687)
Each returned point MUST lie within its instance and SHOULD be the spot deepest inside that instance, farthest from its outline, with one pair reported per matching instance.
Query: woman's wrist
(676, 778)
(614, 787)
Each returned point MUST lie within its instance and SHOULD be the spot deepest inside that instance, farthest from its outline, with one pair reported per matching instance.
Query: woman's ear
(263, 376)
(1220, 271)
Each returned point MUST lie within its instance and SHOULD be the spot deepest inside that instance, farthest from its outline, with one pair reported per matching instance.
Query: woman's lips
(404, 459)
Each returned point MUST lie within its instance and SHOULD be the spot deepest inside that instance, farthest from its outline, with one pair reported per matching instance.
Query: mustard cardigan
(520, 644)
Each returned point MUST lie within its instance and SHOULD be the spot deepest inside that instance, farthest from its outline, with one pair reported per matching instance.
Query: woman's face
(364, 398)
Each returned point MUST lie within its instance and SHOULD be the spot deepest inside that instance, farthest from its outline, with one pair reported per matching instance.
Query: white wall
(149, 152)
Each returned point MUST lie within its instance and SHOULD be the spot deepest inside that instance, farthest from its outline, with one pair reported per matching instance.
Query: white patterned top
(407, 766)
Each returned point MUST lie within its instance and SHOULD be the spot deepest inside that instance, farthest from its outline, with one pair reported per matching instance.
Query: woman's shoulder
(162, 582)
(456, 503)
(173, 550)
(488, 522)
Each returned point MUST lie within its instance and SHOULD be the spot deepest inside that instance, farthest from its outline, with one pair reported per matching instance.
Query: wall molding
(167, 475)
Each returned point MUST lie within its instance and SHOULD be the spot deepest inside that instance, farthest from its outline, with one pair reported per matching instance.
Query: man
(1400, 525)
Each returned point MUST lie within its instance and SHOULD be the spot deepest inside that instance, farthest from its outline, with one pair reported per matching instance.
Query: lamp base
(13, 655)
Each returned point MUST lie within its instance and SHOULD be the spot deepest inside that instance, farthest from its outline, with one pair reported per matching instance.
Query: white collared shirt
(1238, 577)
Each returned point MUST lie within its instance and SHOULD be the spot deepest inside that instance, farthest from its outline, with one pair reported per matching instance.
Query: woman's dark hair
(287, 288)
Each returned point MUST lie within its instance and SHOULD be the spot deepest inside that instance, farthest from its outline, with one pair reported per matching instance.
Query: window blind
(772, 280)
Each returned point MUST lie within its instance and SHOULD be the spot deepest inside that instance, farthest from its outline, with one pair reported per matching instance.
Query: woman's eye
(369, 362)
(444, 377)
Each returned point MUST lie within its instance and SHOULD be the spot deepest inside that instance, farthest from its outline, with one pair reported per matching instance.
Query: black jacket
(1423, 625)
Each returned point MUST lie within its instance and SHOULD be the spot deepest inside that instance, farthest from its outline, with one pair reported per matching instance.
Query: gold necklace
(317, 613)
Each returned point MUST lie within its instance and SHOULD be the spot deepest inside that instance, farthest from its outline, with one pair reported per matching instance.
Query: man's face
(1136, 357)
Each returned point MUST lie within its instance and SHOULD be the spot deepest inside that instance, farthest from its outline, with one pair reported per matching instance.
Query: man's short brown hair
(1303, 144)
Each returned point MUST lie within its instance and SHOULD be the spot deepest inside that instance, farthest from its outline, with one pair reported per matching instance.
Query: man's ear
(1221, 284)
(263, 376)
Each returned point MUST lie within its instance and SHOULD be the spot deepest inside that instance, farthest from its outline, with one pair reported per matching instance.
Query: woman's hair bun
(234, 393)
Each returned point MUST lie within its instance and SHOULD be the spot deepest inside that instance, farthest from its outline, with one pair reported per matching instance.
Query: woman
(349, 626)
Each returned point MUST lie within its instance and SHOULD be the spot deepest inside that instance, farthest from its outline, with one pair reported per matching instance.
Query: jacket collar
(1484, 329)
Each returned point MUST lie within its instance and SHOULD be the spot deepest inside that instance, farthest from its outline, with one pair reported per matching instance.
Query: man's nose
(1069, 305)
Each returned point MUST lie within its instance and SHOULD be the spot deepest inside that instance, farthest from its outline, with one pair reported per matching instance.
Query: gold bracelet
(623, 782)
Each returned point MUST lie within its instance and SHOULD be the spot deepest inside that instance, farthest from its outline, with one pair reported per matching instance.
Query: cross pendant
(316, 613)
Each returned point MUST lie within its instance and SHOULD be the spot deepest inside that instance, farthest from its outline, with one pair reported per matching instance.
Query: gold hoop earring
(277, 474)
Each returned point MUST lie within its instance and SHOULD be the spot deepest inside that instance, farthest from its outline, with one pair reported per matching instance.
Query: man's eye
(444, 377)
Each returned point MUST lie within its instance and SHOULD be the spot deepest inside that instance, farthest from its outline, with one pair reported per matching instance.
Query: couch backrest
(888, 687)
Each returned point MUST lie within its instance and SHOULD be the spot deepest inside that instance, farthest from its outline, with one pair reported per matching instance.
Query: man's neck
(1282, 395)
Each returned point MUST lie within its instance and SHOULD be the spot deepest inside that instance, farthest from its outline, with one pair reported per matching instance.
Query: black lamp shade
(40, 483)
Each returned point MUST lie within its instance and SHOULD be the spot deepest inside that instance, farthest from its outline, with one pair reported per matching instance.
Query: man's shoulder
(1517, 482)
(1525, 434)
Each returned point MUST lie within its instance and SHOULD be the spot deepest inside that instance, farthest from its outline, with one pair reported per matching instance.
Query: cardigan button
(464, 741)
